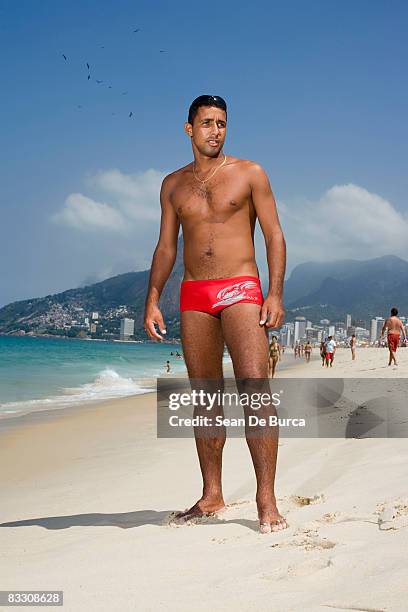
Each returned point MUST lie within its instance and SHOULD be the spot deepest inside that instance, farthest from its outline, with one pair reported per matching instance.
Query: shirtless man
(394, 326)
(217, 199)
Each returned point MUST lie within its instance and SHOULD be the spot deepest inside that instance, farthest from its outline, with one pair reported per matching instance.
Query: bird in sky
(124, 93)
(65, 57)
(130, 114)
(89, 76)
(98, 81)
(87, 65)
(162, 51)
(138, 30)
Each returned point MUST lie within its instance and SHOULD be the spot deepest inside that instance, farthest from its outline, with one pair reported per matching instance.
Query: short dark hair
(394, 312)
(205, 100)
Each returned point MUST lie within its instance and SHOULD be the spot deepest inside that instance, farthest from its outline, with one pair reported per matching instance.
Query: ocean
(38, 373)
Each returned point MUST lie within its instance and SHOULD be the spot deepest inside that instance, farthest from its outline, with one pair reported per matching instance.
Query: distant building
(348, 321)
(127, 328)
(95, 316)
(332, 330)
(373, 330)
(286, 336)
(300, 329)
(93, 328)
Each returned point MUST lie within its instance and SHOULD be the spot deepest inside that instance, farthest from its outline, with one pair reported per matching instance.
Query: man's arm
(265, 206)
(162, 263)
(384, 327)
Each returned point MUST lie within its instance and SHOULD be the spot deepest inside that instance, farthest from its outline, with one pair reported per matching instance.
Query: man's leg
(247, 343)
(203, 347)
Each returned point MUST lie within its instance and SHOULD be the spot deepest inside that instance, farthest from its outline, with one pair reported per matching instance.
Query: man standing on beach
(330, 349)
(395, 326)
(353, 347)
(217, 200)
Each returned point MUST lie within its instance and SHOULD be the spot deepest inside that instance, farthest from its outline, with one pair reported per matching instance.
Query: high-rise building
(373, 330)
(332, 330)
(127, 328)
(300, 329)
(348, 321)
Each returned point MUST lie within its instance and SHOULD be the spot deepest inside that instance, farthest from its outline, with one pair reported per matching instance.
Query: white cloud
(346, 222)
(83, 213)
(137, 195)
(134, 201)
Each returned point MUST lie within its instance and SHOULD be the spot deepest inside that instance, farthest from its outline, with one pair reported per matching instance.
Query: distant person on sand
(217, 199)
(395, 327)
(308, 350)
(330, 348)
(167, 366)
(274, 356)
(323, 352)
(353, 346)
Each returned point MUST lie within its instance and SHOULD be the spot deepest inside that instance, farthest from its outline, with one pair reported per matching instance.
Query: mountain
(107, 297)
(316, 290)
(364, 288)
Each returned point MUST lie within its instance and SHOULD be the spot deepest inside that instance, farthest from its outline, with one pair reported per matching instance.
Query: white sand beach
(87, 492)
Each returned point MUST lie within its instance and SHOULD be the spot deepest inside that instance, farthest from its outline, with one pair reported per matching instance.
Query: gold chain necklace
(211, 175)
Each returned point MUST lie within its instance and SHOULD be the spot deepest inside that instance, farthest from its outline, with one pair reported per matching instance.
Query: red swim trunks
(213, 295)
(393, 341)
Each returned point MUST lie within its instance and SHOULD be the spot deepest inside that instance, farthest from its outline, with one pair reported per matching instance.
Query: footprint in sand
(392, 515)
(300, 500)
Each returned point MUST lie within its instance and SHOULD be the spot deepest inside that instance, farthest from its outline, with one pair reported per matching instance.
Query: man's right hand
(154, 316)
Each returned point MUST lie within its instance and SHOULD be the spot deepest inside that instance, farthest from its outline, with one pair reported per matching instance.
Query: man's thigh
(203, 344)
(246, 340)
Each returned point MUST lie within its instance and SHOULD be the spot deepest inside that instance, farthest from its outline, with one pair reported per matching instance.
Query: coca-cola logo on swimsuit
(234, 293)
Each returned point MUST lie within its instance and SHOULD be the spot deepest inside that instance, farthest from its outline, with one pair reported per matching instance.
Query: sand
(87, 493)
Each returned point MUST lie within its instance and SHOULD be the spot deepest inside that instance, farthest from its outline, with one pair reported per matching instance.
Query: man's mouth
(213, 143)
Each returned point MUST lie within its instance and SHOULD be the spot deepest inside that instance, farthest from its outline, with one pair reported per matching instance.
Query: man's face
(208, 130)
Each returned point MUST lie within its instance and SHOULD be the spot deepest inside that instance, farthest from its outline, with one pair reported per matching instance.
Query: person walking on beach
(330, 348)
(395, 327)
(308, 351)
(274, 356)
(217, 199)
(323, 351)
(353, 347)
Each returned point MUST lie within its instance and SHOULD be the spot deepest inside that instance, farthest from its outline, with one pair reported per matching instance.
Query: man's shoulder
(245, 164)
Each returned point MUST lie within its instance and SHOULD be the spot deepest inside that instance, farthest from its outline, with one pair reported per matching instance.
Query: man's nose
(216, 130)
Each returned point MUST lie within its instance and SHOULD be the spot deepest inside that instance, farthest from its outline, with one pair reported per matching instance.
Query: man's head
(353, 335)
(206, 124)
(394, 312)
(330, 337)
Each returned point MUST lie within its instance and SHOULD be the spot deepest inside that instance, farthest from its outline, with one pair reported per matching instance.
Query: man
(353, 346)
(217, 199)
(394, 326)
(323, 351)
(330, 350)
(274, 356)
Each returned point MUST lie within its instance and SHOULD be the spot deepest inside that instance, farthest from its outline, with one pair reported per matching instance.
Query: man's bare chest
(193, 199)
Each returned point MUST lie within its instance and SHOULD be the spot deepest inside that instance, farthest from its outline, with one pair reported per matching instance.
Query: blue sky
(317, 94)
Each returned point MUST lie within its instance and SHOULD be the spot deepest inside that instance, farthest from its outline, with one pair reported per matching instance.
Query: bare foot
(270, 519)
(200, 509)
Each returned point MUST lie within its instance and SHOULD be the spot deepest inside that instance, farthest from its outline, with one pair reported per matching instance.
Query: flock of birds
(100, 81)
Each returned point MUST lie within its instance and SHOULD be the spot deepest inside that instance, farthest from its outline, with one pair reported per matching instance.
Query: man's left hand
(272, 312)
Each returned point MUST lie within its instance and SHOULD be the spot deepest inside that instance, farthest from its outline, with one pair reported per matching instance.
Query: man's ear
(188, 128)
